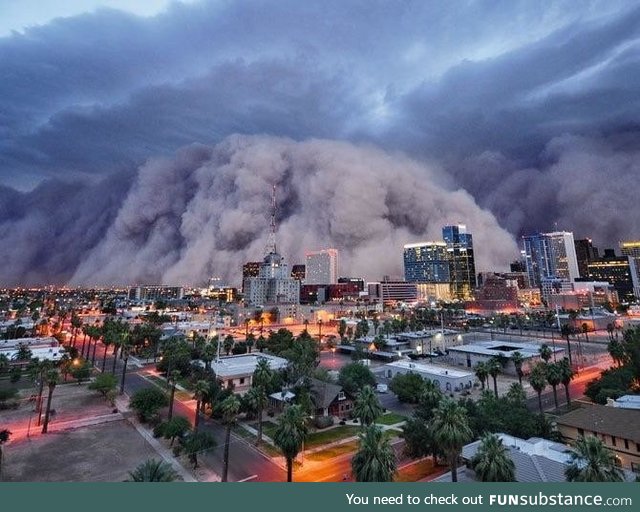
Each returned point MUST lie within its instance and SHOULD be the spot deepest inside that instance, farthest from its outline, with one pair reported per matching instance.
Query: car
(382, 388)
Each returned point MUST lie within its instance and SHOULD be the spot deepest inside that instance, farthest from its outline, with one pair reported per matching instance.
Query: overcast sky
(531, 107)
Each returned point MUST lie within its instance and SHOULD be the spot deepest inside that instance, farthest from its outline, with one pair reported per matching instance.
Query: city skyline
(148, 155)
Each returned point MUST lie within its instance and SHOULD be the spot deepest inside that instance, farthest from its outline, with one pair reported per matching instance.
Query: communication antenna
(271, 241)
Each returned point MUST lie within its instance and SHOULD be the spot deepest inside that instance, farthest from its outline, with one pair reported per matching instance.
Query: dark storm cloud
(532, 107)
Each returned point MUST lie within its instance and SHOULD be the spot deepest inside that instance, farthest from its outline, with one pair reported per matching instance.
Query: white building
(446, 379)
(322, 267)
(237, 371)
(474, 353)
(273, 285)
(47, 348)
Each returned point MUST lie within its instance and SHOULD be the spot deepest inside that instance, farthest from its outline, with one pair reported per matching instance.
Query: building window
(341, 395)
(613, 440)
(242, 380)
(638, 447)
(626, 444)
(581, 432)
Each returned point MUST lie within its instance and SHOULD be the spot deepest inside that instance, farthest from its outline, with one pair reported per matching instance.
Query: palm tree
(492, 462)
(375, 460)
(518, 359)
(173, 380)
(592, 461)
(545, 352)
(567, 376)
(538, 381)
(554, 377)
(196, 443)
(228, 343)
(451, 432)
(290, 435)
(153, 470)
(256, 400)
(230, 407)
(494, 367)
(565, 332)
(4, 437)
(481, 372)
(367, 407)
(124, 352)
(262, 378)
(52, 378)
(200, 392)
(38, 371)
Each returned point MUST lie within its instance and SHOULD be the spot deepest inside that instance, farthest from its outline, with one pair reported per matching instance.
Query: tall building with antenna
(273, 284)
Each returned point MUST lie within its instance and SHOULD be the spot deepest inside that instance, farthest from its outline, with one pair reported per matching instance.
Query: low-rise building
(236, 372)
(447, 379)
(474, 353)
(617, 427)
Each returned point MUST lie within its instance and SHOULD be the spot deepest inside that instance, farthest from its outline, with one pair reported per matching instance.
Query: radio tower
(271, 241)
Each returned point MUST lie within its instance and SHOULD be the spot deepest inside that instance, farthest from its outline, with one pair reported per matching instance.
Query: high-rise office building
(322, 267)
(620, 271)
(631, 248)
(462, 268)
(585, 253)
(550, 256)
(426, 262)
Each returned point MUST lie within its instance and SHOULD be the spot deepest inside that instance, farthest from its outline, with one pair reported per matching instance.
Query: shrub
(323, 421)
(147, 402)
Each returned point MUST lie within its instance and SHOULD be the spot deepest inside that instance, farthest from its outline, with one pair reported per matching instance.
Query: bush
(323, 421)
(147, 402)
(354, 376)
(407, 387)
(104, 384)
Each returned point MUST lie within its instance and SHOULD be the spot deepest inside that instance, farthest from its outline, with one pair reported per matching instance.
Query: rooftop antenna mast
(271, 241)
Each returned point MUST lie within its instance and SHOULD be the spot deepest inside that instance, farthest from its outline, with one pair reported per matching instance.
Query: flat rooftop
(501, 348)
(431, 369)
(245, 364)
(47, 341)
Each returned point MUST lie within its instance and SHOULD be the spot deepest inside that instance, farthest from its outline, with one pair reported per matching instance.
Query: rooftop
(616, 421)
(431, 369)
(245, 364)
(501, 348)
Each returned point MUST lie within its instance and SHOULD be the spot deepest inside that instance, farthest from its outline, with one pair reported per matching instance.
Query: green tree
(172, 380)
(255, 401)
(178, 426)
(538, 381)
(553, 373)
(290, 434)
(494, 367)
(565, 332)
(492, 462)
(147, 402)
(342, 329)
(153, 470)
(451, 432)
(518, 360)
(375, 460)
(229, 408)
(367, 407)
(52, 380)
(408, 387)
(195, 444)
(566, 376)
(200, 392)
(104, 384)
(592, 461)
(354, 376)
(482, 372)
(545, 352)
(228, 343)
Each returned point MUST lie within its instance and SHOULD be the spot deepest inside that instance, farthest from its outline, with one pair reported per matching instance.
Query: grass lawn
(271, 451)
(390, 419)
(330, 435)
(391, 433)
(162, 383)
(334, 451)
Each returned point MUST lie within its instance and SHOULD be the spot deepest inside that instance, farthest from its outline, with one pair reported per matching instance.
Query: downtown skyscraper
(550, 259)
(462, 267)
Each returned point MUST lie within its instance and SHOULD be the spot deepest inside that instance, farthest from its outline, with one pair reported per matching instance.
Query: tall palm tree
(481, 372)
(592, 461)
(565, 332)
(545, 352)
(52, 379)
(567, 376)
(230, 407)
(494, 367)
(518, 360)
(375, 460)
(200, 391)
(367, 406)
(256, 400)
(173, 380)
(290, 434)
(262, 377)
(38, 371)
(538, 381)
(554, 377)
(4, 437)
(153, 470)
(492, 462)
(451, 432)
